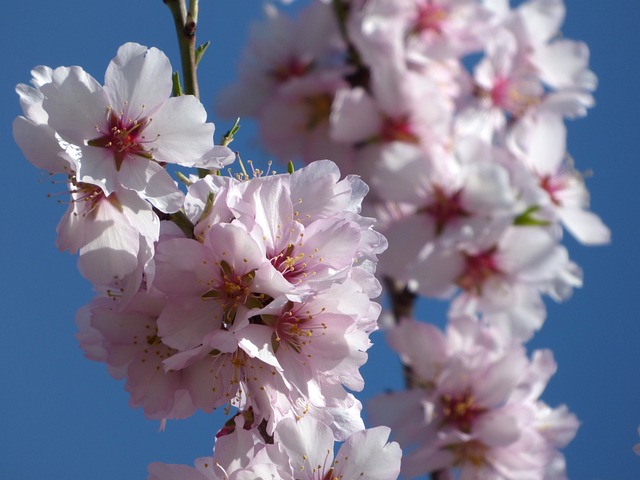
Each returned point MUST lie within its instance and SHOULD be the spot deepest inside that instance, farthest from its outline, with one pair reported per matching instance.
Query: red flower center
(460, 411)
(397, 129)
(478, 269)
(552, 185)
(445, 208)
(123, 138)
(430, 17)
(295, 67)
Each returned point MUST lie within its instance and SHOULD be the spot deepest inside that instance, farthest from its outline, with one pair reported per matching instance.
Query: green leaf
(526, 219)
(290, 167)
(228, 137)
(200, 51)
(177, 88)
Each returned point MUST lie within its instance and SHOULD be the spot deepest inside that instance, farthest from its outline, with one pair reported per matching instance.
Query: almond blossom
(256, 302)
(255, 295)
(127, 130)
(240, 454)
(126, 339)
(300, 450)
(267, 308)
(295, 122)
(559, 190)
(528, 69)
(281, 49)
(442, 200)
(113, 234)
(427, 29)
(38, 141)
(473, 404)
(392, 111)
(504, 281)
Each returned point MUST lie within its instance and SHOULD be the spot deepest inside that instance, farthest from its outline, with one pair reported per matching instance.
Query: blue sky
(62, 416)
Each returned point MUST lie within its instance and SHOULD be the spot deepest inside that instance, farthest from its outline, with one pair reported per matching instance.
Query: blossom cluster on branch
(251, 294)
(453, 111)
(255, 294)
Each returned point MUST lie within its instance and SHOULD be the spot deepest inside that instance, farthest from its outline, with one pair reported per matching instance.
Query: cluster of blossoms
(453, 111)
(246, 294)
(255, 295)
(300, 450)
(473, 403)
(266, 308)
(112, 143)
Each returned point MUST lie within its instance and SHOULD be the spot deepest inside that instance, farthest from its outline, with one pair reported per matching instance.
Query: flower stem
(183, 222)
(441, 475)
(186, 23)
(360, 77)
(403, 302)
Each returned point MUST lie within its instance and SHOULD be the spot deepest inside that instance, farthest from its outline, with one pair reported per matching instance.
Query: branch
(402, 299)
(360, 77)
(186, 23)
(441, 475)
(402, 304)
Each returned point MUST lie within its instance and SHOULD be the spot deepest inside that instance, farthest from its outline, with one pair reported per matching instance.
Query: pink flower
(300, 450)
(502, 277)
(540, 143)
(213, 283)
(309, 446)
(126, 339)
(311, 256)
(113, 234)
(269, 307)
(128, 129)
(426, 29)
(279, 50)
(294, 122)
(473, 404)
(392, 110)
(447, 199)
(527, 69)
(38, 141)
(238, 455)
(325, 336)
